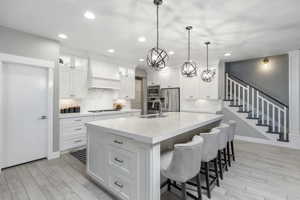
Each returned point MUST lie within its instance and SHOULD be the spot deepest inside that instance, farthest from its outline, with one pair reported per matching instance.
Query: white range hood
(103, 75)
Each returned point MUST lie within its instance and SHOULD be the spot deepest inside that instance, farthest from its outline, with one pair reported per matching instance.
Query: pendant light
(189, 68)
(207, 75)
(157, 58)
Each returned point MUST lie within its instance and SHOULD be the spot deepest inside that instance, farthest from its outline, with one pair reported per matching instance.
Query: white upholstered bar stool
(210, 154)
(182, 164)
(230, 144)
(223, 138)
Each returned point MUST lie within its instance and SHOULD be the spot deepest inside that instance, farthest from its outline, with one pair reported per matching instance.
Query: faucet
(160, 105)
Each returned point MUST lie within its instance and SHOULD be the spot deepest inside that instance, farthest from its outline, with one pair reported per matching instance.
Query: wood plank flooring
(261, 172)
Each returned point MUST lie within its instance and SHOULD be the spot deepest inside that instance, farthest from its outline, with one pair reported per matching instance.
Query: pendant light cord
(157, 25)
(207, 56)
(189, 45)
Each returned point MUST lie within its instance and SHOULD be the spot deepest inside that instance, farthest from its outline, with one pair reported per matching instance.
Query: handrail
(273, 98)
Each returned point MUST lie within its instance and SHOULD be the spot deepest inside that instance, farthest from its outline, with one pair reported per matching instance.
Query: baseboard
(53, 155)
(293, 144)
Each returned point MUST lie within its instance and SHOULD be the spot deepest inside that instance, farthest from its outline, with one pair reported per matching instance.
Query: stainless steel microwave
(154, 91)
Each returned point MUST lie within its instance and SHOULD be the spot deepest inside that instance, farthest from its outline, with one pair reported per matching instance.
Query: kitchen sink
(153, 116)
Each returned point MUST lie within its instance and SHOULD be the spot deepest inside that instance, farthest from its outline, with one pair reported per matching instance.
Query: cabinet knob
(118, 160)
(118, 142)
(118, 184)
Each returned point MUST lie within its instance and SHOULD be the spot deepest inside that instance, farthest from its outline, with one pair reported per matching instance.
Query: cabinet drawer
(122, 161)
(121, 142)
(76, 121)
(73, 143)
(122, 186)
(73, 131)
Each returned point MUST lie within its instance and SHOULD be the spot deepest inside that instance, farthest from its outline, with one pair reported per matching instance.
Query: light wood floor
(261, 172)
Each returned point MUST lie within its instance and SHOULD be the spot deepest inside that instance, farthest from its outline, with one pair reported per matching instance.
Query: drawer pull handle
(77, 141)
(78, 129)
(118, 160)
(118, 142)
(119, 184)
(77, 120)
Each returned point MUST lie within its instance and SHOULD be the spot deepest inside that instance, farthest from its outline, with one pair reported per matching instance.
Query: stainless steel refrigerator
(170, 99)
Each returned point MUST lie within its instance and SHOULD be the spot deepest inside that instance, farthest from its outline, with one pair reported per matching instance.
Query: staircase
(265, 112)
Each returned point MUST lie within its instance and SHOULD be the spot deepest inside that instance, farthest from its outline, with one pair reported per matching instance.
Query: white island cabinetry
(124, 153)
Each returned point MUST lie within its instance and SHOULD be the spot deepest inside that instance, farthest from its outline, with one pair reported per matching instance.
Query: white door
(25, 101)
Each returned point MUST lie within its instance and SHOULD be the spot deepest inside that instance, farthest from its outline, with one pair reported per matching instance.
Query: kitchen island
(124, 153)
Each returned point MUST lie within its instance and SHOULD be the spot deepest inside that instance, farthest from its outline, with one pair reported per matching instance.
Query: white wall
(294, 92)
(1, 116)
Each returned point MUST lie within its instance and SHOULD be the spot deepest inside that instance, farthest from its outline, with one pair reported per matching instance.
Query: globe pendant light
(189, 68)
(157, 58)
(207, 75)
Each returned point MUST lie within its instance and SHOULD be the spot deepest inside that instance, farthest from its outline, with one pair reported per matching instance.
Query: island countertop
(155, 130)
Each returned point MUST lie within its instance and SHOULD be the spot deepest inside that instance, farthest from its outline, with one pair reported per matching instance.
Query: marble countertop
(86, 114)
(155, 130)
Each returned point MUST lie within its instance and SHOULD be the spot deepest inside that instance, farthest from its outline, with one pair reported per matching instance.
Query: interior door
(25, 102)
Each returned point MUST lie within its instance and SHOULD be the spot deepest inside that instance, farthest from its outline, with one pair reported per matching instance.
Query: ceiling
(247, 29)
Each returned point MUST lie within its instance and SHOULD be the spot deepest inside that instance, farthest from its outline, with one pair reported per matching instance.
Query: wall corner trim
(53, 155)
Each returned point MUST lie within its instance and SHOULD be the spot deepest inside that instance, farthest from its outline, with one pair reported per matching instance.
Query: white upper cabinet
(127, 83)
(153, 78)
(73, 77)
(190, 87)
(104, 75)
(166, 78)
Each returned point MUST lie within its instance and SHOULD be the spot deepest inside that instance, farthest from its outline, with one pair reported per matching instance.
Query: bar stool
(223, 138)
(231, 133)
(210, 154)
(182, 164)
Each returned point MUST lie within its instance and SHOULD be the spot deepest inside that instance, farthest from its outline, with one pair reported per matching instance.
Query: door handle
(43, 117)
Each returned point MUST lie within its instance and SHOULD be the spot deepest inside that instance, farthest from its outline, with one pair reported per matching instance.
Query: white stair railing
(269, 112)
(238, 93)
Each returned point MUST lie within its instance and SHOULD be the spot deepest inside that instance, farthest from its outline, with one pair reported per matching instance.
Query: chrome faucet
(160, 105)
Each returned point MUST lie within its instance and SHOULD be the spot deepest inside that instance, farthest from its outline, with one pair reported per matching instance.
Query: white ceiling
(247, 29)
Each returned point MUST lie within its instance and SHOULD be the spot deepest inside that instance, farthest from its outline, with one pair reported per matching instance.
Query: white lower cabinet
(114, 162)
(73, 130)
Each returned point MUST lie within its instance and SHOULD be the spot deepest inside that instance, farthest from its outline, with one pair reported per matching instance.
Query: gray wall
(24, 44)
(272, 79)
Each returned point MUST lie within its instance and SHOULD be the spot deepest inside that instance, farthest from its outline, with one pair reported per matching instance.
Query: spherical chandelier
(157, 58)
(189, 68)
(207, 75)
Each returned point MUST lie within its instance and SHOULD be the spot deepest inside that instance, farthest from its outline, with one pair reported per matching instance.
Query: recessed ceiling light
(142, 39)
(141, 60)
(227, 54)
(111, 51)
(89, 15)
(62, 36)
(171, 52)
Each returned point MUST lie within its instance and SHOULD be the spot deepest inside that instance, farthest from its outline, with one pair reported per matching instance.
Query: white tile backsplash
(100, 99)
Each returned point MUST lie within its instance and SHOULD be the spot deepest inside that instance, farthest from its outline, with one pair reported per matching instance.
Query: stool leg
(207, 179)
(220, 164)
(225, 159)
(183, 187)
(232, 150)
(169, 185)
(199, 187)
(228, 154)
(216, 172)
